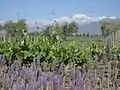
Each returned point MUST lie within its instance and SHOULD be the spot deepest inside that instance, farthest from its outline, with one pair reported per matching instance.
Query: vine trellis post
(108, 46)
(112, 41)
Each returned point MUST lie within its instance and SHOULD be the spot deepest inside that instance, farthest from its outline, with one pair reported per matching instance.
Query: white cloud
(63, 19)
(82, 18)
(104, 17)
(79, 18)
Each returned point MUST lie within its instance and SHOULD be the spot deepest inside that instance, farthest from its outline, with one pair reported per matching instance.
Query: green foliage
(9, 27)
(73, 27)
(109, 25)
(68, 29)
(21, 27)
(61, 31)
(29, 47)
(116, 51)
(50, 45)
(15, 29)
(1, 26)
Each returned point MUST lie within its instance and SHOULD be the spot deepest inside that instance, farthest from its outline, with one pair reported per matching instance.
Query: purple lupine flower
(113, 87)
(31, 84)
(19, 87)
(40, 81)
(72, 85)
(60, 80)
(55, 82)
(79, 80)
(14, 87)
(6, 83)
(113, 83)
(44, 81)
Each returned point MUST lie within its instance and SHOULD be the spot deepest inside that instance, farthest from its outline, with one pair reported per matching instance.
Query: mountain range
(85, 23)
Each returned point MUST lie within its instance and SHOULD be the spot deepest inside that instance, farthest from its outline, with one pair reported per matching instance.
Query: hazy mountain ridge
(85, 23)
(91, 28)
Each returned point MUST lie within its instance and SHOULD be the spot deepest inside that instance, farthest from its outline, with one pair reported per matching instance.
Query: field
(55, 59)
(78, 63)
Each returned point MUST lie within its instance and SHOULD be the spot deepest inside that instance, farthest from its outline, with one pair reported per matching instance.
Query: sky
(50, 9)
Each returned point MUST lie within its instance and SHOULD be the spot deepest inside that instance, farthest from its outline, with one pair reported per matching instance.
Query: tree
(53, 31)
(73, 28)
(88, 35)
(21, 27)
(111, 26)
(65, 30)
(46, 31)
(1, 27)
(108, 25)
(69, 28)
(9, 26)
(84, 34)
(15, 29)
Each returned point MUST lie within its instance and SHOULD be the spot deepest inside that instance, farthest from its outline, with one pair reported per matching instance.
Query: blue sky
(43, 9)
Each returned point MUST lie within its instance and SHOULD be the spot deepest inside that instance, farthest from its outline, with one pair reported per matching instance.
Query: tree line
(64, 30)
(20, 27)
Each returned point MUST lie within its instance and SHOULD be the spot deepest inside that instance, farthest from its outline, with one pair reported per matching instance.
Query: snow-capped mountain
(86, 23)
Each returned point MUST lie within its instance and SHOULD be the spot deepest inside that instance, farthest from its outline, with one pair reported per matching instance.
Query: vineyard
(58, 60)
